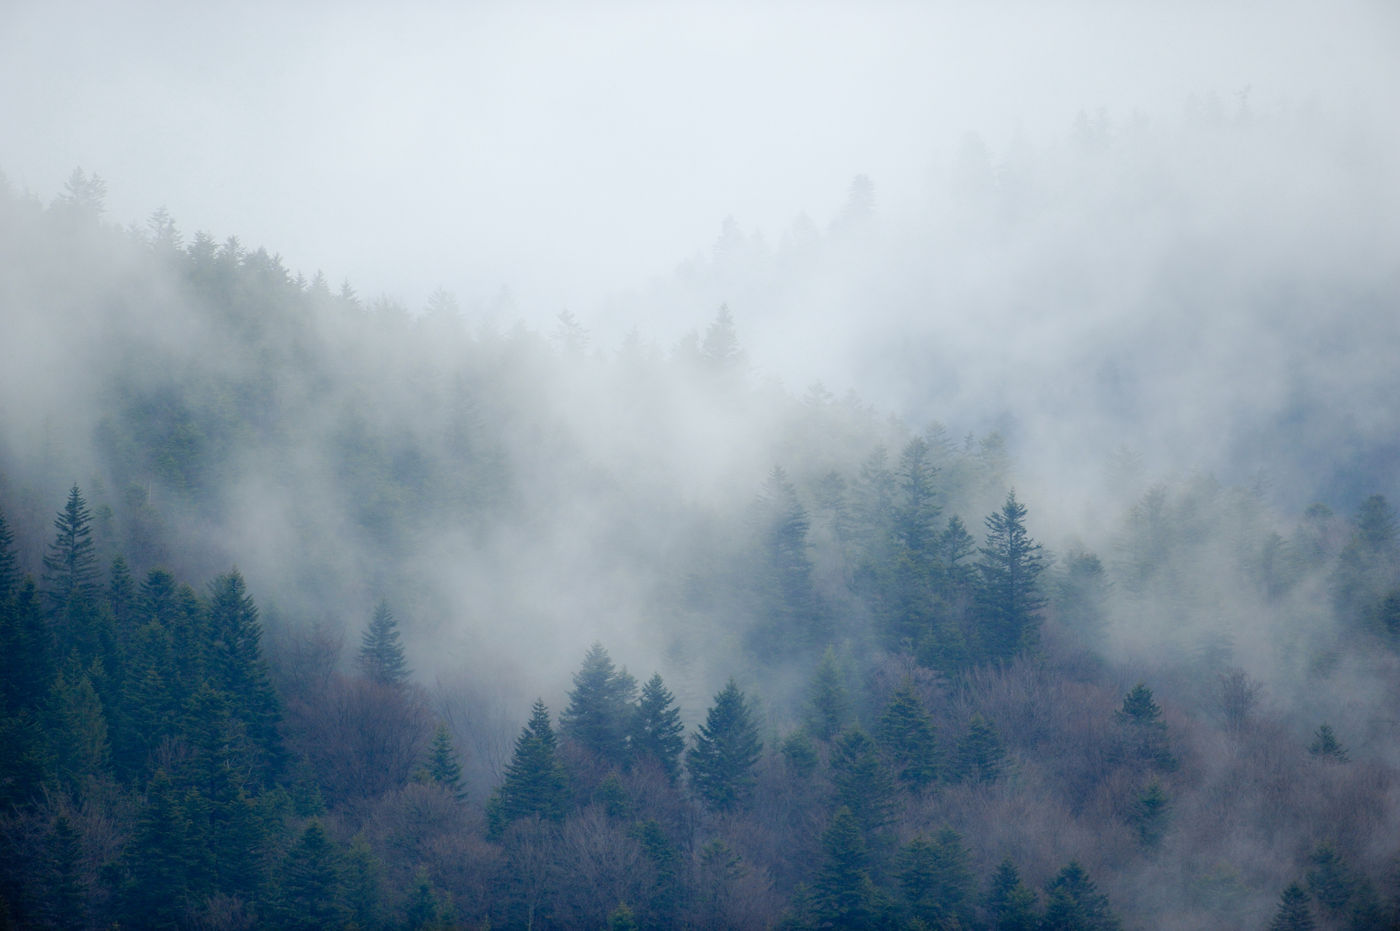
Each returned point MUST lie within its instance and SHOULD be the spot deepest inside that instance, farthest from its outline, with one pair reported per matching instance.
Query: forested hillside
(316, 612)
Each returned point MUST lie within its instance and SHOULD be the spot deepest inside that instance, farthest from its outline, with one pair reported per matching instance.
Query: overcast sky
(568, 150)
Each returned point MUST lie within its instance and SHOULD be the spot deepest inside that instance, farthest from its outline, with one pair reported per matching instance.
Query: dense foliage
(892, 723)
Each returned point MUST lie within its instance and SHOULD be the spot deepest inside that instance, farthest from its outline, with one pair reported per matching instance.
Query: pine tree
(70, 567)
(1008, 596)
(828, 705)
(936, 879)
(442, 767)
(159, 859)
(1330, 882)
(725, 751)
(1326, 746)
(790, 616)
(862, 781)
(1294, 913)
(657, 731)
(1149, 813)
(1075, 904)
(310, 894)
(534, 783)
(843, 895)
(906, 734)
(1010, 903)
(979, 752)
(599, 715)
(235, 667)
(1147, 731)
(381, 656)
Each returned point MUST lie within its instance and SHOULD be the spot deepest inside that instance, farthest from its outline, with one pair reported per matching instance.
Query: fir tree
(862, 782)
(442, 767)
(725, 751)
(657, 731)
(534, 783)
(310, 894)
(1008, 596)
(1326, 746)
(980, 754)
(1149, 813)
(70, 566)
(1073, 903)
(599, 715)
(1147, 731)
(828, 705)
(1010, 903)
(9, 564)
(936, 880)
(1294, 913)
(906, 734)
(843, 895)
(237, 669)
(381, 656)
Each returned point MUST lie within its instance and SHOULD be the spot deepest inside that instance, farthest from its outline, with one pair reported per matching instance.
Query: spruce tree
(936, 880)
(9, 564)
(1009, 598)
(725, 752)
(534, 783)
(843, 895)
(442, 767)
(657, 731)
(235, 667)
(862, 781)
(1146, 729)
(1326, 746)
(310, 894)
(381, 656)
(979, 752)
(1149, 813)
(1073, 903)
(1294, 912)
(906, 734)
(1010, 903)
(828, 705)
(599, 715)
(70, 566)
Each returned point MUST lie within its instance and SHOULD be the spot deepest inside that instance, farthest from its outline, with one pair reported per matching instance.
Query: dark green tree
(1294, 912)
(843, 894)
(1147, 732)
(1326, 746)
(1073, 903)
(936, 880)
(980, 755)
(159, 860)
(790, 615)
(381, 656)
(907, 736)
(600, 711)
(1010, 903)
(9, 564)
(666, 891)
(534, 783)
(235, 667)
(657, 731)
(1009, 598)
(310, 888)
(70, 566)
(1330, 882)
(862, 781)
(442, 767)
(726, 749)
(828, 704)
(1149, 814)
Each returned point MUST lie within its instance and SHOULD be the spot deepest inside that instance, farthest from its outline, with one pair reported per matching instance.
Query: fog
(1138, 264)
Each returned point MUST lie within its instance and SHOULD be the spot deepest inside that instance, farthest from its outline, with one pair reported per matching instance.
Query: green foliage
(1146, 731)
(790, 616)
(70, 566)
(936, 880)
(1149, 814)
(534, 784)
(906, 734)
(1073, 903)
(657, 731)
(235, 667)
(800, 753)
(600, 711)
(310, 883)
(381, 656)
(442, 767)
(1010, 903)
(1330, 882)
(726, 749)
(862, 782)
(980, 755)
(1009, 596)
(1294, 912)
(843, 895)
(828, 705)
(621, 919)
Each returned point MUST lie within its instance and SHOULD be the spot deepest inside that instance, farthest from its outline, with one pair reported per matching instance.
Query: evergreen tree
(1149, 813)
(1073, 903)
(979, 752)
(1326, 746)
(534, 783)
(828, 705)
(9, 564)
(80, 748)
(657, 731)
(790, 615)
(1008, 597)
(442, 767)
(1294, 913)
(1147, 732)
(70, 566)
(843, 895)
(862, 781)
(236, 667)
(159, 859)
(1010, 903)
(381, 656)
(725, 751)
(1330, 882)
(936, 879)
(600, 711)
(310, 893)
(906, 734)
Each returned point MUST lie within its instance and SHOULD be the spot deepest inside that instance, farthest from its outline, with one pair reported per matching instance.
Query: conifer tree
(725, 751)
(1008, 596)
(979, 752)
(906, 734)
(1294, 912)
(159, 859)
(70, 566)
(1073, 903)
(657, 731)
(381, 656)
(1010, 903)
(1326, 746)
(1147, 731)
(235, 667)
(843, 895)
(863, 783)
(9, 564)
(310, 893)
(442, 767)
(936, 879)
(828, 705)
(599, 715)
(1149, 813)
(534, 783)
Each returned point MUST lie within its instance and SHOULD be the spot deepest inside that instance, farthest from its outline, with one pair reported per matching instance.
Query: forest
(319, 612)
